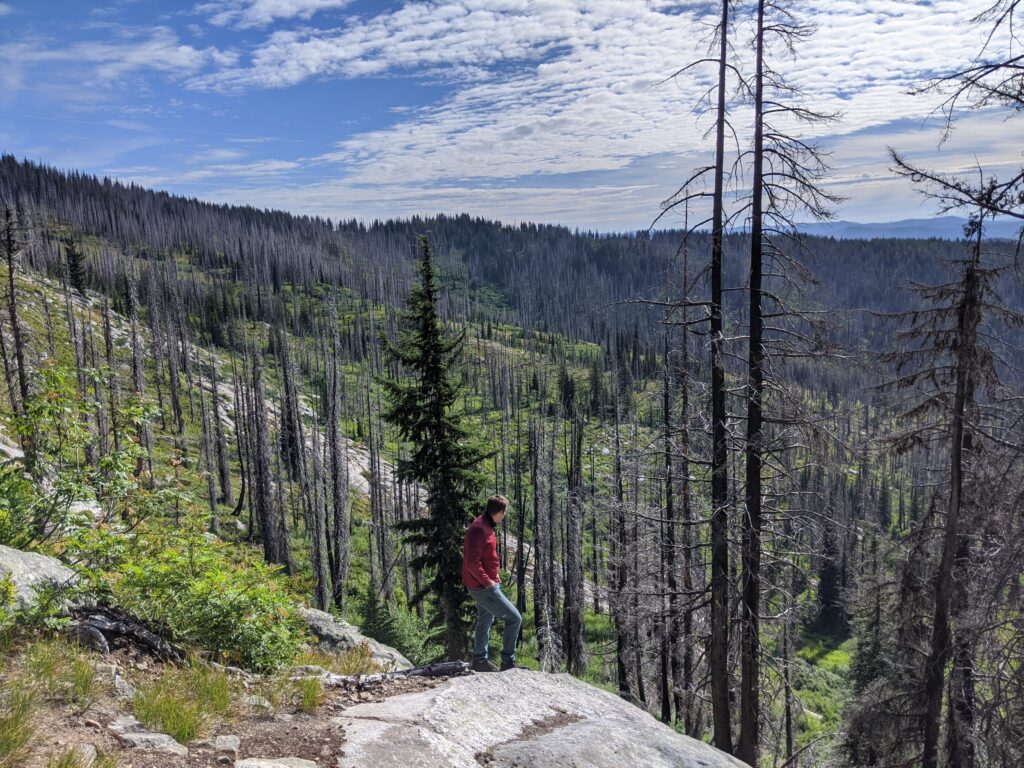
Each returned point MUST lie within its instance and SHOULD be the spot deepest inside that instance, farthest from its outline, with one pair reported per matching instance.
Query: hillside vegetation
(194, 398)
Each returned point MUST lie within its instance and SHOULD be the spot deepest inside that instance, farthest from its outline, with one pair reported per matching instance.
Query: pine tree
(444, 459)
(75, 265)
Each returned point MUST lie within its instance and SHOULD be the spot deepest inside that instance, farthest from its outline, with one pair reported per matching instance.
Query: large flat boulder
(516, 719)
(336, 634)
(30, 570)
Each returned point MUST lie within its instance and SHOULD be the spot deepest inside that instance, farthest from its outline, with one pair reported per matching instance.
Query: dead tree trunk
(750, 639)
(574, 602)
(719, 535)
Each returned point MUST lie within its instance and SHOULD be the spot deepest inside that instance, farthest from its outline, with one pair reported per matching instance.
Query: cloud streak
(555, 86)
(106, 61)
(248, 14)
(538, 99)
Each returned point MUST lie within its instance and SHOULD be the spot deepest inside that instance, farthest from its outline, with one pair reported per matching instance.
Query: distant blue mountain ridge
(942, 227)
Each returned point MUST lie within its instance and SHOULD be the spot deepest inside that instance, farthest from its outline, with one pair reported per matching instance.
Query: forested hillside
(179, 368)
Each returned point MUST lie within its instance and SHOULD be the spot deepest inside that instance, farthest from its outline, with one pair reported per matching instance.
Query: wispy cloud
(539, 99)
(246, 14)
(5, 9)
(415, 37)
(553, 86)
(254, 170)
(216, 155)
(103, 62)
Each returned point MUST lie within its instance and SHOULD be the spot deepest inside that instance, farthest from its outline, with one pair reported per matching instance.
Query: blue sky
(545, 110)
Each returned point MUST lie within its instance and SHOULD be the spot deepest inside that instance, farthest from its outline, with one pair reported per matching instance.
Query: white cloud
(216, 155)
(254, 170)
(552, 109)
(558, 86)
(102, 63)
(5, 9)
(259, 13)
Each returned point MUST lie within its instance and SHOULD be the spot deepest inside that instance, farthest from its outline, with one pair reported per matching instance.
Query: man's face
(497, 517)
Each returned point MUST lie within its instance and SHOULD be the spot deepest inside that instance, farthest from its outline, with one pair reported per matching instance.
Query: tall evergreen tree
(444, 459)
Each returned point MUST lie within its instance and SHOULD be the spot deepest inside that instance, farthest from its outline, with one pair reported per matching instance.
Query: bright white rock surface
(516, 719)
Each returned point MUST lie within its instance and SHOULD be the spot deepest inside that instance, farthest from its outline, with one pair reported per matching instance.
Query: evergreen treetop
(444, 458)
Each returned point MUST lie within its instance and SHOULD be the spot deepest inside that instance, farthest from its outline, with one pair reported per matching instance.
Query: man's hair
(496, 504)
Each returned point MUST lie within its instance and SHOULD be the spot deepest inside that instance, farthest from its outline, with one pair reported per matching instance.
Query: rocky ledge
(516, 719)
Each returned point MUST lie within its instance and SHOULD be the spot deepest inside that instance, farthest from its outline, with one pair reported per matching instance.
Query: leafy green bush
(402, 630)
(55, 421)
(194, 590)
(8, 612)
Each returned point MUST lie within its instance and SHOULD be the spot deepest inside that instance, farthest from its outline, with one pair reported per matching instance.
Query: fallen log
(441, 669)
(119, 629)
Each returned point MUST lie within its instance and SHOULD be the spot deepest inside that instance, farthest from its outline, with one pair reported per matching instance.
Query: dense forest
(765, 486)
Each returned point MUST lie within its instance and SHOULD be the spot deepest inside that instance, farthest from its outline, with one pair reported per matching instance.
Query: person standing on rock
(480, 577)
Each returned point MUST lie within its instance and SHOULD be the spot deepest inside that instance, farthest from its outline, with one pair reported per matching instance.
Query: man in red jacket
(480, 577)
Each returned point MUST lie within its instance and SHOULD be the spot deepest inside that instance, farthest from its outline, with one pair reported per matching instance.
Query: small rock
(122, 688)
(91, 724)
(309, 670)
(126, 724)
(235, 671)
(89, 638)
(227, 743)
(133, 733)
(258, 702)
(275, 762)
(155, 742)
(285, 717)
(224, 760)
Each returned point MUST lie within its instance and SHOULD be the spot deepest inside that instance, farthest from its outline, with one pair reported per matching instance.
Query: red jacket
(480, 554)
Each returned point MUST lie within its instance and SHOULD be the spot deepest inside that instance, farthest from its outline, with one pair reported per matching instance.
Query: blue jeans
(491, 604)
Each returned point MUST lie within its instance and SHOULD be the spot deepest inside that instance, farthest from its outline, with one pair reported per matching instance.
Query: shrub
(17, 502)
(402, 630)
(8, 613)
(195, 591)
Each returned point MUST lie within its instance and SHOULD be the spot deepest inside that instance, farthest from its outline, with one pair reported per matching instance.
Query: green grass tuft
(311, 693)
(63, 672)
(17, 705)
(184, 703)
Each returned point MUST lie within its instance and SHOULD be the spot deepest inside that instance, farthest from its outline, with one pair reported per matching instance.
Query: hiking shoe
(483, 665)
(507, 665)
